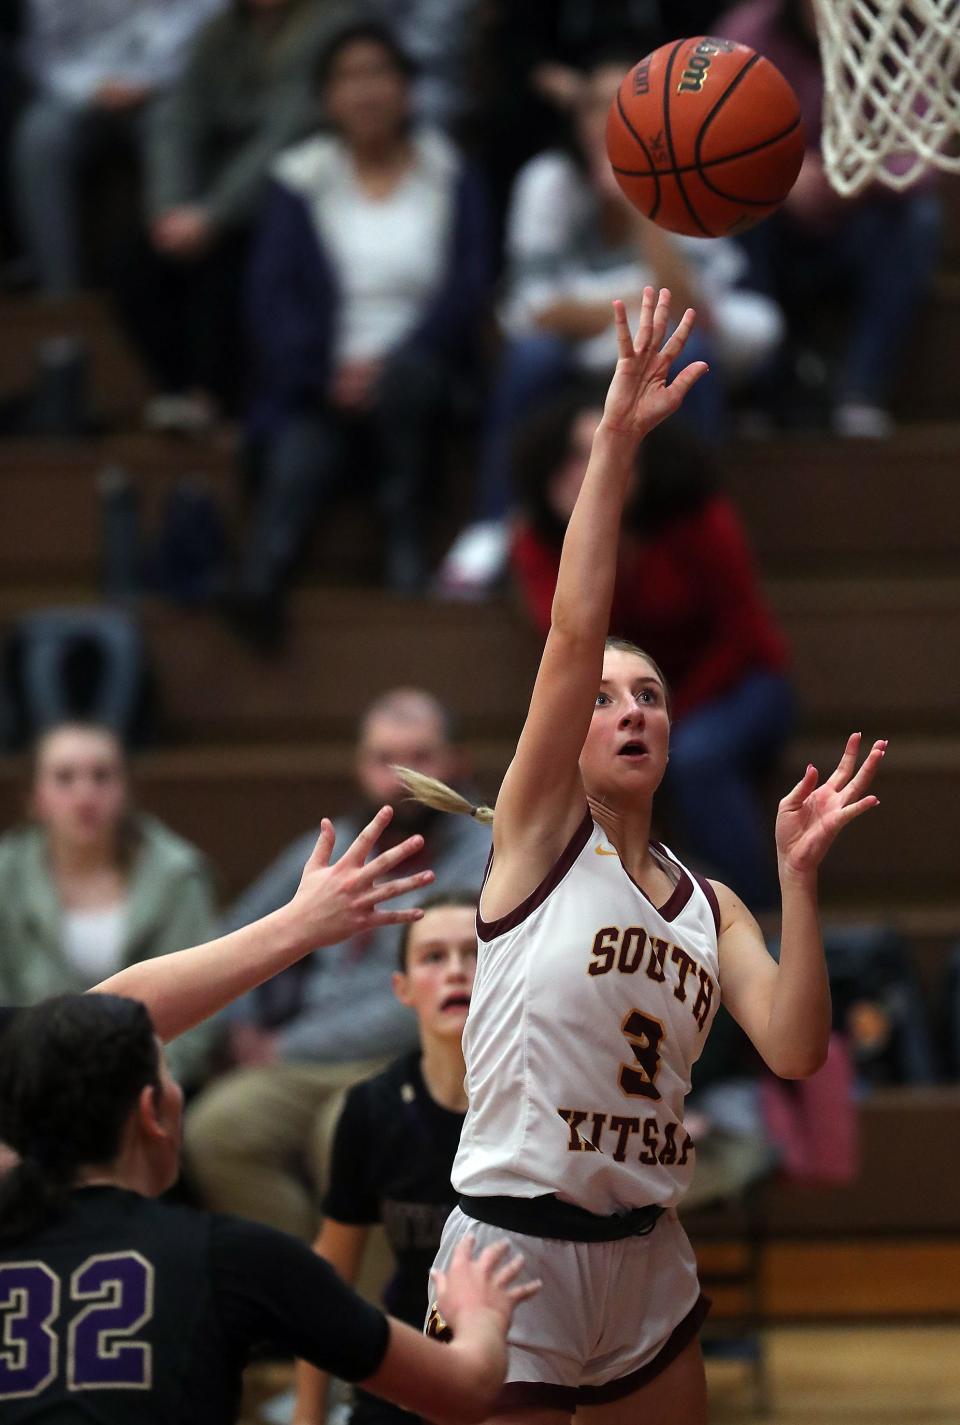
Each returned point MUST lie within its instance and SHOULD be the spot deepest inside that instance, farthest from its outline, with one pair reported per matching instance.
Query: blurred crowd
(351, 227)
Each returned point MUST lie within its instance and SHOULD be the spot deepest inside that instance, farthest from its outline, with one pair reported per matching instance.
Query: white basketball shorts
(610, 1316)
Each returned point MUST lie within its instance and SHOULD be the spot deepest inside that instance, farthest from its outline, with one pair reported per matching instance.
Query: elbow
(801, 1064)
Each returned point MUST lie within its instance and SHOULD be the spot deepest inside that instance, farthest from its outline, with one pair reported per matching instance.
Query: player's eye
(602, 700)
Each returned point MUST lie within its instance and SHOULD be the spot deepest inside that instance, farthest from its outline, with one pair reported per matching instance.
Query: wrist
(804, 878)
(614, 440)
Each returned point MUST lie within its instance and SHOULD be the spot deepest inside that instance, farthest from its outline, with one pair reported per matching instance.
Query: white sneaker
(476, 560)
(858, 420)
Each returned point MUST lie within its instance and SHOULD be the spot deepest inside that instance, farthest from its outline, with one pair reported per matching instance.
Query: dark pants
(310, 458)
(184, 315)
(717, 753)
(880, 263)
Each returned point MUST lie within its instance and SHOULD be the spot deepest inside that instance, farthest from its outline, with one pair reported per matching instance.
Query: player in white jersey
(601, 964)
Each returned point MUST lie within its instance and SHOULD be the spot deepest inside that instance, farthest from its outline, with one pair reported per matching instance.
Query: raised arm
(542, 799)
(331, 904)
(785, 1007)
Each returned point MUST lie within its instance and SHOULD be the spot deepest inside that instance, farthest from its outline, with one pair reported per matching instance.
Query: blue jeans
(716, 755)
(535, 368)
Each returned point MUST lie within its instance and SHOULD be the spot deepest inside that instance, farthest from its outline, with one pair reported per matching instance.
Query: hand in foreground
(639, 397)
(810, 817)
(482, 1283)
(334, 902)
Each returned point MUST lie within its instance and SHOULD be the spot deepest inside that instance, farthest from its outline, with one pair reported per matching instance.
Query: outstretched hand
(811, 816)
(334, 902)
(639, 397)
(485, 1282)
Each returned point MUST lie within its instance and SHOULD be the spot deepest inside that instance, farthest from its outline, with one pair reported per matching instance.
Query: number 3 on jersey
(645, 1035)
(118, 1290)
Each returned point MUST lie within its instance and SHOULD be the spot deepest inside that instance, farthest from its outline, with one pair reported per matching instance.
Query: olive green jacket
(170, 906)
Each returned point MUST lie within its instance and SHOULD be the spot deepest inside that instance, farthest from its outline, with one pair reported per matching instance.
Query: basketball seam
(753, 202)
(668, 133)
(646, 153)
(708, 163)
(698, 145)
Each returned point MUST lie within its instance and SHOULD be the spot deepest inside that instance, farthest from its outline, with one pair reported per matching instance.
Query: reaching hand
(810, 817)
(639, 397)
(334, 902)
(482, 1283)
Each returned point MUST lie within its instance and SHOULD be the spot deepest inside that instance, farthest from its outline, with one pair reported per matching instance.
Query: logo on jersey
(606, 851)
(436, 1326)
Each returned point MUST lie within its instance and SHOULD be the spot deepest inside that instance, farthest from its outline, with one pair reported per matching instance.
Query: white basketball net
(891, 89)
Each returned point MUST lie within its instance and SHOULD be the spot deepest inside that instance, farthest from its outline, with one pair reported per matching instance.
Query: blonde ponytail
(439, 796)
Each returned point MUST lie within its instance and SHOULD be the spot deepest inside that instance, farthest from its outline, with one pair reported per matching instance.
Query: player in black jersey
(117, 1308)
(396, 1139)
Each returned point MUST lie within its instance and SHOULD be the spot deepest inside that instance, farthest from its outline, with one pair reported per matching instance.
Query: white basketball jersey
(589, 1009)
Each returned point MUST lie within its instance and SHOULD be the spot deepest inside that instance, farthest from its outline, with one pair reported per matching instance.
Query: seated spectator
(573, 244)
(258, 1138)
(823, 249)
(96, 71)
(93, 885)
(687, 591)
(397, 1137)
(367, 284)
(243, 95)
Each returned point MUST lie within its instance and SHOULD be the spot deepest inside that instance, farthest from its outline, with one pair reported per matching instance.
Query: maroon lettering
(599, 1123)
(658, 952)
(631, 950)
(604, 948)
(668, 1153)
(704, 1000)
(644, 1033)
(624, 1127)
(687, 1145)
(573, 1117)
(651, 1141)
(684, 963)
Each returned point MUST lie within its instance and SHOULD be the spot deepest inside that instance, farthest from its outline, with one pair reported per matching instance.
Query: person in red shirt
(686, 589)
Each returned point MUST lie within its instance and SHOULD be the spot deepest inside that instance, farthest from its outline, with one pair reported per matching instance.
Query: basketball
(705, 137)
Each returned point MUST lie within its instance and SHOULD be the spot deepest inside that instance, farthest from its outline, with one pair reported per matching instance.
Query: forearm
(186, 987)
(450, 1384)
(584, 592)
(313, 1389)
(800, 1013)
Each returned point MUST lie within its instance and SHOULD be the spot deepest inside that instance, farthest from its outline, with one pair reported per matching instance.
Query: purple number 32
(116, 1289)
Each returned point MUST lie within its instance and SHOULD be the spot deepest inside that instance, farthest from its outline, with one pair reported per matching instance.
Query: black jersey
(392, 1155)
(7, 1013)
(129, 1311)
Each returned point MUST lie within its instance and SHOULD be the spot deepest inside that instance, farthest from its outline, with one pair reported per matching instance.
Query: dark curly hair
(71, 1070)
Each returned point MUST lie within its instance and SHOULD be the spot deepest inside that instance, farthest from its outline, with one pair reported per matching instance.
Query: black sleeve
(272, 1290)
(352, 1196)
(7, 1015)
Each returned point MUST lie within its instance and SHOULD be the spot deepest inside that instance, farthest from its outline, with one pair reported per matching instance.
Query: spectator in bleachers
(873, 255)
(258, 1138)
(95, 70)
(573, 244)
(367, 287)
(244, 93)
(686, 589)
(92, 885)
(436, 34)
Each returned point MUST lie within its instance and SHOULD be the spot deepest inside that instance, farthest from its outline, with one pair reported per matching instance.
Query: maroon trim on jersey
(681, 892)
(489, 929)
(522, 1393)
(711, 896)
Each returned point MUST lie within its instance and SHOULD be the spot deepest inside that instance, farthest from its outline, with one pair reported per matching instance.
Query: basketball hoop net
(891, 104)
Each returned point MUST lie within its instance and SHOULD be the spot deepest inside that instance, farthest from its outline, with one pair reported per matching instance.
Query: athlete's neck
(628, 831)
(443, 1070)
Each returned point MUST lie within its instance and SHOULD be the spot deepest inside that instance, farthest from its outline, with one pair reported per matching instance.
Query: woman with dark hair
(397, 1136)
(369, 275)
(152, 1310)
(686, 589)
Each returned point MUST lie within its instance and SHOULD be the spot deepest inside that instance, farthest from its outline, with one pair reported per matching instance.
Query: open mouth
(633, 749)
(459, 1001)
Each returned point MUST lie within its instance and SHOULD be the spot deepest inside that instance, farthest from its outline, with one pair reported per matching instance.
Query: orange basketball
(705, 137)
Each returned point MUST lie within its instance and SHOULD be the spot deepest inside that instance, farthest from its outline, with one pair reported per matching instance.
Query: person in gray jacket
(91, 886)
(257, 1139)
